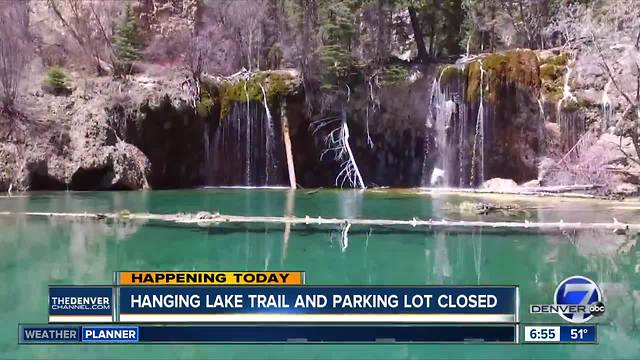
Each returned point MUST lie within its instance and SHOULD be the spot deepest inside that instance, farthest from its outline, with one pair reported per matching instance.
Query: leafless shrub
(610, 34)
(167, 50)
(586, 163)
(89, 22)
(200, 49)
(14, 45)
(233, 34)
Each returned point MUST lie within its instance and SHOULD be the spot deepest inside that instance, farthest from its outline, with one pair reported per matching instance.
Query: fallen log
(207, 219)
(562, 191)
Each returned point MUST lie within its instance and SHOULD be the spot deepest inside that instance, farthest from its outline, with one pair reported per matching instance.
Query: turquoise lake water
(38, 251)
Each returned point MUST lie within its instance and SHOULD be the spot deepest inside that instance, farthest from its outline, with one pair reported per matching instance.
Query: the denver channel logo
(577, 299)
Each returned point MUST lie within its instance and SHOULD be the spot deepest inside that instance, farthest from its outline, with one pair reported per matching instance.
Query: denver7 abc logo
(577, 299)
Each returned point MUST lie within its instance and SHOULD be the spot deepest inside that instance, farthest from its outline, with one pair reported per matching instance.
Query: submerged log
(204, 218)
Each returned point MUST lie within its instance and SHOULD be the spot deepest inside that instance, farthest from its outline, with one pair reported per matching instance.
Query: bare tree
(337, 140)
(611, 35)
(89, 23)
(14, 41)
(233, 34)
(529, 18)
(624, 54)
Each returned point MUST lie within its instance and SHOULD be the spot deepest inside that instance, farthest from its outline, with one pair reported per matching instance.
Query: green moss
(518, 67)
(205, 103)
(550, 72)
(394, 75)
(552, 78)
(450, 72)
(552, 91)
(473, 81)
(275, 84)
(56, 82)
(561, 59)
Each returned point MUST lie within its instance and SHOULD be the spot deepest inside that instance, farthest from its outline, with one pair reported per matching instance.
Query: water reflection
(63, 251)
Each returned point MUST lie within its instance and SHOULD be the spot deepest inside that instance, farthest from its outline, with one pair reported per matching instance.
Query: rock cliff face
(539, 117)
(493, 116)
(76, 143)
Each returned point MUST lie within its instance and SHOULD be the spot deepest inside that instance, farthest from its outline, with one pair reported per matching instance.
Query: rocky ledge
(72, 142)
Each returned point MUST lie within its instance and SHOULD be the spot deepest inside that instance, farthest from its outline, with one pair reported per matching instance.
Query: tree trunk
(417, 35)
(381, 54)
(287, 144)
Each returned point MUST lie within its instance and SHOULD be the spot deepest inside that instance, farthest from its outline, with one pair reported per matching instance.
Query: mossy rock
(275, 83)
(552, 90)
(518, 67)
(552, 78)
(204, 106)
(561, 59)
(550, 72)
(449, 73)
(394, 75)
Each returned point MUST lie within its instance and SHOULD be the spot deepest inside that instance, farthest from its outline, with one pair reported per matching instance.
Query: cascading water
(485, 119)
(442, 111)
(270, 132)
(460, 129)
(246, 148)
(477, 175)
(207, 146)
(247, 156)
(566, 90)
(572, 125)
(541, 101)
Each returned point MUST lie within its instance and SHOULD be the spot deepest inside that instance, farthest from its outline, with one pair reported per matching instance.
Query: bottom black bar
(439, 333)
(504, 333)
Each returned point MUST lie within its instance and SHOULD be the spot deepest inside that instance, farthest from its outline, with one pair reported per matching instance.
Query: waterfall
(543, 119)
(468, 45)
(248, 139)
(607, 108)
(479, 134)
(485, 119)
(541, 101)
(566, 91)
(448, 117)
(246, 148)
(270, 133)
(442, 110)
(207, 145)
(572, 124)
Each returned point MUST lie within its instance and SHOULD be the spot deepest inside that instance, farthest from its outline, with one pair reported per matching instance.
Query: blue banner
(80, 301)
(318, 300)
(110, 334)
(579, 333)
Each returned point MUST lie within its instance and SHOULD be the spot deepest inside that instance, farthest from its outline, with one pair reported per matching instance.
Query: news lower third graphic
(277, 307)
(577, 299)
